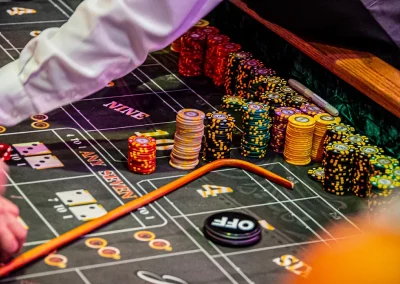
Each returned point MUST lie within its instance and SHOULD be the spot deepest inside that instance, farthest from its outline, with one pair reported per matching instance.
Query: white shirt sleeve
(102, 41)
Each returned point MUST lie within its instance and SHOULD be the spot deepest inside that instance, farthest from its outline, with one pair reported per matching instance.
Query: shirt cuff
(15, 104)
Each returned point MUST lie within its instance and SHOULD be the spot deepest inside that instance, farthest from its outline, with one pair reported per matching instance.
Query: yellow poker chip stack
(188, 139)
(298, 140)
(322, 121)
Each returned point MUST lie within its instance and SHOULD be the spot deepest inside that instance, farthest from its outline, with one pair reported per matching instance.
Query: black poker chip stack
(361, 168)
(232, 70)
(274, 100)
(338, 166)
(256, 77)
(337, 132)
(232, 229)
(245, 70)
(218, 136)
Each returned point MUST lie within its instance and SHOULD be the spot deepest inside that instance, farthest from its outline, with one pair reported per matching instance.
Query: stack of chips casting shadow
(383, 191)
(218, 136)
(322, 121)
(361, 167)
(245, 70)
(232, 229)
(278, 132)
(288, 91)
(177, 44)
(142, 154)
(192, 54)
(298, 140)
(221, 61)
(211, 53)
(256, 77)
(338, 166)
(232, 69)
(188, 139)
(311, 109)
(256, 124)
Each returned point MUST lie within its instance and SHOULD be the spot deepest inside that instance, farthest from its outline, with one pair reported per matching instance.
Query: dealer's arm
(103, 40)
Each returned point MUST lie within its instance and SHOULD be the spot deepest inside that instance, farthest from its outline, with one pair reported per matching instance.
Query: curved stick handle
(86, 228)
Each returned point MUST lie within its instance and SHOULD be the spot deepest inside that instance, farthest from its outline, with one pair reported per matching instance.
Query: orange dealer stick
(86, 228)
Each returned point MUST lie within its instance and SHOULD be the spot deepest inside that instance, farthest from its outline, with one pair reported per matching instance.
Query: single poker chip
(317, 174)
(395, 172)
(39, 117)
(96, 243)
(382, 162)
(2, 129)
(232, 229)
(40, 125)
(356, 139)
(202, 23)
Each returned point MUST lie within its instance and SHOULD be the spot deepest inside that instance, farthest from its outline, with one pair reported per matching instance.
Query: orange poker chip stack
(211, 53)
(142, 154)
(188, 139)
(322, 121)
(299, 139)
(221, 61)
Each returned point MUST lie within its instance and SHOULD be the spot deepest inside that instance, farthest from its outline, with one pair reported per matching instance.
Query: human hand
(12, 233)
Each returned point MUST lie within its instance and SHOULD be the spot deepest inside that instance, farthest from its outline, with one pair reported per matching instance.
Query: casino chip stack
(337, 132)
(296, 101)
(298, 140)
(218, 136)
(338, 166)
(263, 84)
(221, 63)
(311, 109)
(232, 69)
(361, 168)
(278, 132)
(289, 92)
(322, 121)
(5, 152)
(232, 229)
(383, 191)
(177, 44)
(211, 53)
(233, 103)
(40, 121)
(245, 70)
(380, 163)
(192, 54)
(256, 125)
(142, 154)
(188, 137)
(259, 75)
(273, 100)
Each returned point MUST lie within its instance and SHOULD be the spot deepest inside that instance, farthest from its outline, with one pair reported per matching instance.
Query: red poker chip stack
(211, 53)
(221, 63)
(191, 58)
(5, 152)
(142, 154)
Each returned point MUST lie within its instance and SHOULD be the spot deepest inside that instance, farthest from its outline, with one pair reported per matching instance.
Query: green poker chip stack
(256, 125)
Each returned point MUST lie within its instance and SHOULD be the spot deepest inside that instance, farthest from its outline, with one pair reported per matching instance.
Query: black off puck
(232, 229)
